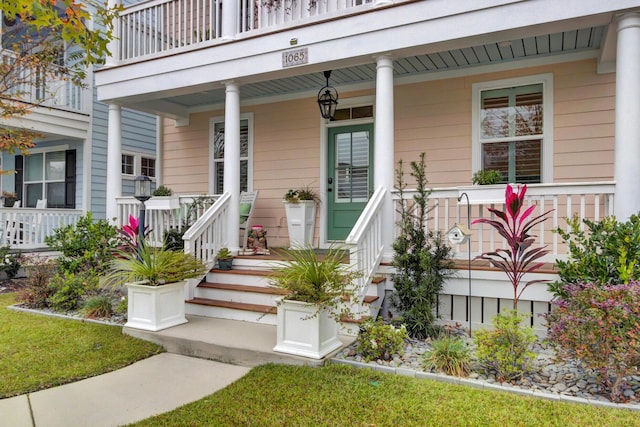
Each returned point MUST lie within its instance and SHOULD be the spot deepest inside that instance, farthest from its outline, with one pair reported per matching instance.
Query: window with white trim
(217, 150)
(138, 164)
(128, 164)
(512, 129)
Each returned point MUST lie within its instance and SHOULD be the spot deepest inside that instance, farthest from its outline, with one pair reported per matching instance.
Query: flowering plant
(129, 234)
(514, 226)
(600, 325)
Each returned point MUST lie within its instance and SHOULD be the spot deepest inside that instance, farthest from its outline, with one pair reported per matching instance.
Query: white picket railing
(33, 86)
(159, 221)
(584, 200)
(26, 228)
(160, 26)
(366, 243)
(210, 232)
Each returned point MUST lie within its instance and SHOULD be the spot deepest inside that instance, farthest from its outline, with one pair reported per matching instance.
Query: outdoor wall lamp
(328, 99)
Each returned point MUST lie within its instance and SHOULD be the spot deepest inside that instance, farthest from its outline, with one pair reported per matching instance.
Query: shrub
(506, 349)
(173, 239)
(600, 326)
(449, 354)
(421, 258)
(36, 292)
(514, 227)
(487, 177)
(9, 262)
(604, 253)
(97, 307)
(69, 288)
(163, 191)
(377, 340)
(87, 245)
(122, 306)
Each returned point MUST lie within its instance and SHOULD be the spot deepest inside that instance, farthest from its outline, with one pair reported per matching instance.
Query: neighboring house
(545, 91)
(66, 170)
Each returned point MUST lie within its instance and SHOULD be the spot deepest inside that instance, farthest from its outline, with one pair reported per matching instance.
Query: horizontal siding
(430, 117)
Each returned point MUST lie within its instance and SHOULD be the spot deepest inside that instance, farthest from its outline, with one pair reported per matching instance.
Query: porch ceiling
(565, 42)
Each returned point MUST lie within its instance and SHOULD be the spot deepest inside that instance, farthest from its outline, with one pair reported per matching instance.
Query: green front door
(350, 177)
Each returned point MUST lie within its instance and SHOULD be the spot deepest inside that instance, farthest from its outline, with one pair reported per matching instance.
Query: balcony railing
(164, 26)
(31, 85)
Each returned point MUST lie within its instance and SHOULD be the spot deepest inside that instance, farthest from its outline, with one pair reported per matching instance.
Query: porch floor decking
(228, 341)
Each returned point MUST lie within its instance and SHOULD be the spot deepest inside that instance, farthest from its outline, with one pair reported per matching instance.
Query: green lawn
(276, 395)
(38, 352)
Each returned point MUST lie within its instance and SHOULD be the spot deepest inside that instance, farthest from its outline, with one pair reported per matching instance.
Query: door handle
(330, 180)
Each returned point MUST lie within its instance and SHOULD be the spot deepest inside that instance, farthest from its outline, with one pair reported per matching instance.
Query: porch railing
(210, 232)
(159, 221)
(366, 242)
(584, 200)
(26, 228)
(159, 26)
(35, 87)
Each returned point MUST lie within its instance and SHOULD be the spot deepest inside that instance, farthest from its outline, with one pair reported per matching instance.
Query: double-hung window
(217, 144)
(49, 175)
(512, 129)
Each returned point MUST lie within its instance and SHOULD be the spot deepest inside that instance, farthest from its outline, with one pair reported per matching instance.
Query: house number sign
(295, 57)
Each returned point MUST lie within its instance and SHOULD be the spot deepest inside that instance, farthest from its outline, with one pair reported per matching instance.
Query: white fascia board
(408, 29)
(52, 123)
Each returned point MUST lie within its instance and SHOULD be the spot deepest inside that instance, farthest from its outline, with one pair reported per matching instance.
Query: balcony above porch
(173, 56)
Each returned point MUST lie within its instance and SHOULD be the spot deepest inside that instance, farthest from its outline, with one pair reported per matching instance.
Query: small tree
(422, 260)
(44, 41)
(514, 226)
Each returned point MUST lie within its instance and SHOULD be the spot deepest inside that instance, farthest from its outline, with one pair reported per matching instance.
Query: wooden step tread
(245, 272)
(378, 279)
(259, 308)
(368, 299)
(244, 288)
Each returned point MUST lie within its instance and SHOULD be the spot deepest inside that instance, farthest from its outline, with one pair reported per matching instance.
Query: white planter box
(483, 194)
(163, 203)
(301, 333)
(154, 308)
(301, 222)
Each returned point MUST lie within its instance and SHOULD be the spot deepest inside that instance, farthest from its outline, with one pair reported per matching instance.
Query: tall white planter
(301, 333)
(154, 308)
(301, 222)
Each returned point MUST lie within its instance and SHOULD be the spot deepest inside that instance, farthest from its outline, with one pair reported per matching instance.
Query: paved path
(149, 387)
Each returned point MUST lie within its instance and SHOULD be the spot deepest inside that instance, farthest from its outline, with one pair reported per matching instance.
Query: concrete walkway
(149, 387)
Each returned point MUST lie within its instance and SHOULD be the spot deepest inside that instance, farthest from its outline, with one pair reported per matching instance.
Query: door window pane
(352, 167)
(218, 156)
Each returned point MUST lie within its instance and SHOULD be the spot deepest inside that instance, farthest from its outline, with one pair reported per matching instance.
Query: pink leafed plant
(515, 225)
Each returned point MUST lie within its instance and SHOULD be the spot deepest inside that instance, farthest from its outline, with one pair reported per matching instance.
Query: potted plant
(318, 287)
(155, 279)
(225, 259)
(486, 188)
(300, 207)
(163, 199)
(9, 198)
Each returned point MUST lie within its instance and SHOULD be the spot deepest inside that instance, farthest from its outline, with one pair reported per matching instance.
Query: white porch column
(383, 152)
(114, 45)
(229, 19)
(232, 161)
(114, 161)
(627, 139)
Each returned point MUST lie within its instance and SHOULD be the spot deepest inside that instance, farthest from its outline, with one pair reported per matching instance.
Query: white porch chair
(247, 206)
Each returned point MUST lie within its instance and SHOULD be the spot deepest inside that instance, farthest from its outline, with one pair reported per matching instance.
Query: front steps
(244, 294)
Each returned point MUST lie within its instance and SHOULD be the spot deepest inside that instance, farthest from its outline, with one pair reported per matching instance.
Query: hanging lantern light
(328, 99)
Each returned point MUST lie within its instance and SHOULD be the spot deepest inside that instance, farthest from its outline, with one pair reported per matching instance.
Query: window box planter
(302, 331)
(163, 203)
(153, 308)
(483, 194)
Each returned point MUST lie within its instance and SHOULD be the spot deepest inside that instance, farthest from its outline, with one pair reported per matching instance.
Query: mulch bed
(12, 285)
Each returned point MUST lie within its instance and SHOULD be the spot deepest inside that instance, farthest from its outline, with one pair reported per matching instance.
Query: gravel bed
(549, 374)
